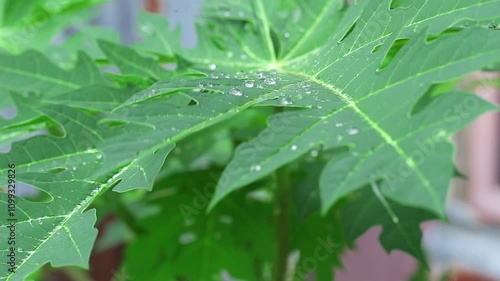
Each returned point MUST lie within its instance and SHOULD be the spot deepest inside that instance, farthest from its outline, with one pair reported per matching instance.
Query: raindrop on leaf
(304, 85)
(286, 101)
(239, 75)
(212, 66)
(249, 84)
(255, 168)
(235, 92)
(270, 81)
(352, 131)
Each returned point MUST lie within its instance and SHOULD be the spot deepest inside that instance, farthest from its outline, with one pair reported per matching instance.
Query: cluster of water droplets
(255, 79)
(255, 168)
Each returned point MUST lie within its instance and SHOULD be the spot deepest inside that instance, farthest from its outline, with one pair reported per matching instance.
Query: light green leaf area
(401, 224)
(86, 39)
(94, 98)
(71, 171)
(192, 245)
(156, 35)
(32, 81)
(357, 91)
(32, 72)
(131, 63)
(33, 24)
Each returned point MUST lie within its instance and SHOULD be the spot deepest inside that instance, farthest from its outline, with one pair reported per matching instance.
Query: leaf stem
(282, 197)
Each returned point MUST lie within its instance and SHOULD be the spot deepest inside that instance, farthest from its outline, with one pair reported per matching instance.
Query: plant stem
(282, 197)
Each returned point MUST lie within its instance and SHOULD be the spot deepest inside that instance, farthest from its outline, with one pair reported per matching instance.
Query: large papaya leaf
(401, 224)
(358, 90)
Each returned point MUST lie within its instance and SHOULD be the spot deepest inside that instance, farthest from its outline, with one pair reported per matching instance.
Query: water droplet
(286, 101)
(339, 138)
(201, 85)
(73, 168)
(227, 14)
(308, 92)
(304, 85)
(339, 124)
(270, 81)
(239, 75)
(146, 29)
(235, 92)
(152, 92)
(99, 156)
(226, 219)
(261, 75)
(212, 66)
(255, 168)
(187, 238)
(287, 35)
(293, 147)
(214, 76)
(314, 153)
(249, 84)
(352, 131)
(260, 86)
(273, 72)
(243, 56)
(493, 25)
(39, 221)
(319, 106)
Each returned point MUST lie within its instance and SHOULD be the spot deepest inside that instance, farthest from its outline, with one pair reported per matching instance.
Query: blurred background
(466, 249)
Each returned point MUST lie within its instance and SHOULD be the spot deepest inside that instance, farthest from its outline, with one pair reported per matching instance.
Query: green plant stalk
(282, 221)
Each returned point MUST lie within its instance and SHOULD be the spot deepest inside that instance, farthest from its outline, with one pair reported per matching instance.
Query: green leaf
(72, 171)
(401, 224)
(131, 63)
(189, 244)
(156, 36)
(347, 100)
(32, 72)
(349, 111)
